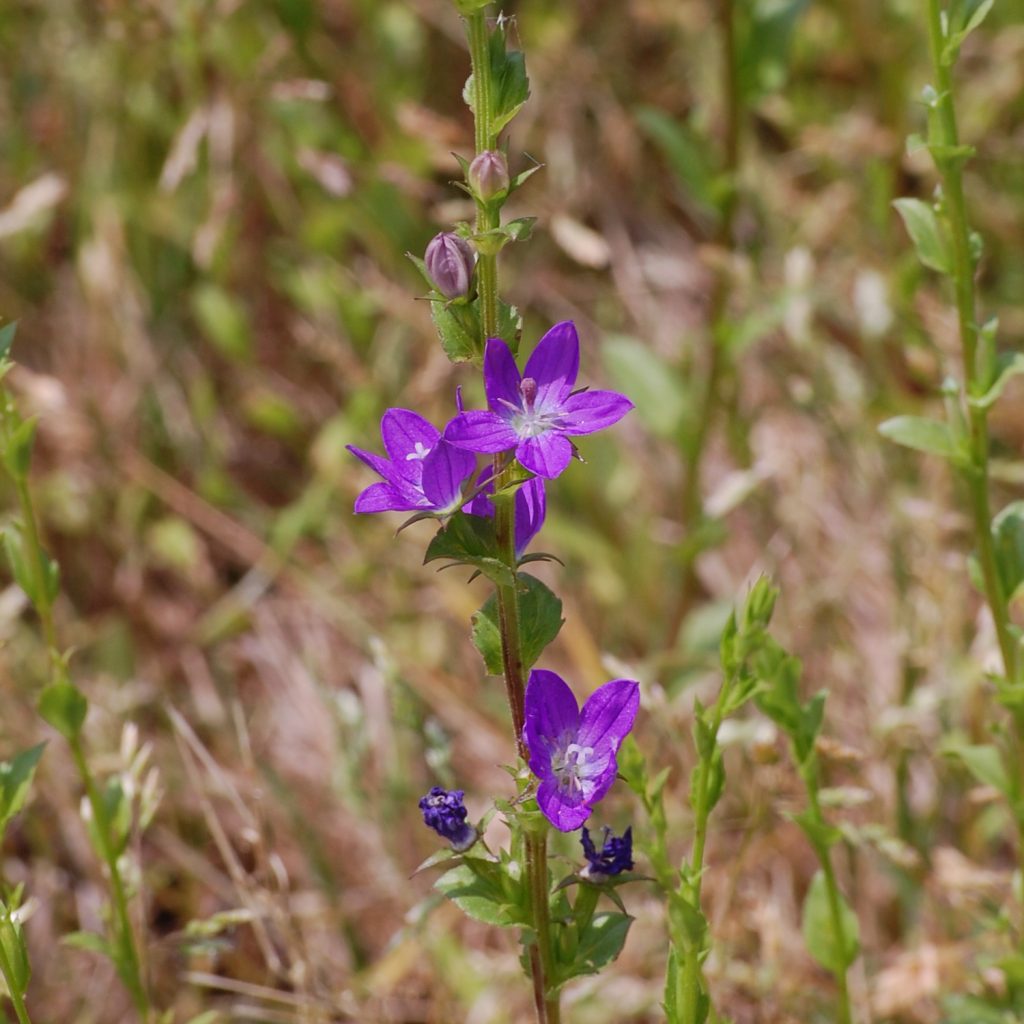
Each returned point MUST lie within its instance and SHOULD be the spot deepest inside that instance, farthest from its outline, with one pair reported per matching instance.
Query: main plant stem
(128, 954)
(697, 431)
(488, 218)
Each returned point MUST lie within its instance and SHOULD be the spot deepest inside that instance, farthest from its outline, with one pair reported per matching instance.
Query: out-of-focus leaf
(1008, 540)
(835, 953)
(984, 762)
(922, 434)
(765, 30)
(652, 384)
(927, 234)
(15, 779)
(223, 320)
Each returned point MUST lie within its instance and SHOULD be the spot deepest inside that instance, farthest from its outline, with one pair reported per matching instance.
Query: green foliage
(15, 780)
(654, 387)
(64, 707)
(924, 435)
(928, 234)
(14, 962)
(834, 952)
(486, 891)
(540, 619)
(985, 763)
(458, 329)
(1008, 545)
(765, 30)
(600, 942)
(470, 540)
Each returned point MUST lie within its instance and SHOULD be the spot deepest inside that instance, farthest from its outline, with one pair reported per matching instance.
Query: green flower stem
(978, 359)
(489, 217)
(13, 991)
(132, 974)
(844, 1012)
(132, 971)
(690, 981)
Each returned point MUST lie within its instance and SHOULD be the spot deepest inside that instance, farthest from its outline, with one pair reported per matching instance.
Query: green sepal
(64, 706)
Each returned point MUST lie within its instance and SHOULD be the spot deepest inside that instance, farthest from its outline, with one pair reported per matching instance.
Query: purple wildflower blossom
(614, 857)
(423, 472)
(538, 411)
(531, 507)
(572, 752)
(444, 813)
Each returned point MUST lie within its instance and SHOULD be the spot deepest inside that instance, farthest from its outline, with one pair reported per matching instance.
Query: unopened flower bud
(488, 175)
(449, 261)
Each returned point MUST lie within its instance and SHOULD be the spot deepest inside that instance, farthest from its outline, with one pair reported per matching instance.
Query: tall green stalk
(488, 218)
(36, 566)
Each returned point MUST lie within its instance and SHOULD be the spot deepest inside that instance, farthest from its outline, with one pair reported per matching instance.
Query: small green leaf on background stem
(922, 434)
(64, 707)
(822, 943)
(927, 234)
(15, 779)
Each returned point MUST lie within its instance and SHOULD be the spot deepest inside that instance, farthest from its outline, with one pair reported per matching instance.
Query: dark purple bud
(449, 261)
(615, 856)
(488, 175)
(443, 812)
(528, 389)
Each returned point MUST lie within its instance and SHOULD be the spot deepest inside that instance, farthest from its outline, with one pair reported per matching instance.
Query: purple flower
(614, 857)
(423, 472)
(531, 507)
(443, 812)
(572, 752)
(537, 412)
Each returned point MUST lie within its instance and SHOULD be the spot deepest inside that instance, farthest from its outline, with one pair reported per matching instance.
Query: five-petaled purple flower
(572, 752)
(444, 813)
(423, 472)
(614, 857)
(536, 412)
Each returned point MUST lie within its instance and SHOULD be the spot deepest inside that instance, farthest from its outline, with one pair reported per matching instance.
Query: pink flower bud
(488, 175)
(449, 261)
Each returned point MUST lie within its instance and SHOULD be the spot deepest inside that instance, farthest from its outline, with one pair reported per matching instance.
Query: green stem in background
(977, 372)
(978, 360)
(489, 217)
(690, 980)
(13, 989)
(698, 429)
(128, 958)
(835, 912)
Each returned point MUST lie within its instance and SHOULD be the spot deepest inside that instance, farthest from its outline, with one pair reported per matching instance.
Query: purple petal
(445, 470)
(386, 498)
(562, 809)
(381, 466)
(593, 410)
(608, 715)
(482, 505)
(531, 508)
(551, 712)
(481, 431)
(407, 433)
(554, 364)
(546, 454)
(501, 378)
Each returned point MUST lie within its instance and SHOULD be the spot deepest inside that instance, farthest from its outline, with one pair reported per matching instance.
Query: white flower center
(419, 454)
(572, 766)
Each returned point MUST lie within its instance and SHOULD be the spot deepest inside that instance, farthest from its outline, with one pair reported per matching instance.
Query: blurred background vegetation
(204, 211)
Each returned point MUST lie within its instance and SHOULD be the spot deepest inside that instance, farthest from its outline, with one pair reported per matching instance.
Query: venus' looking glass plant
(567, 756)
